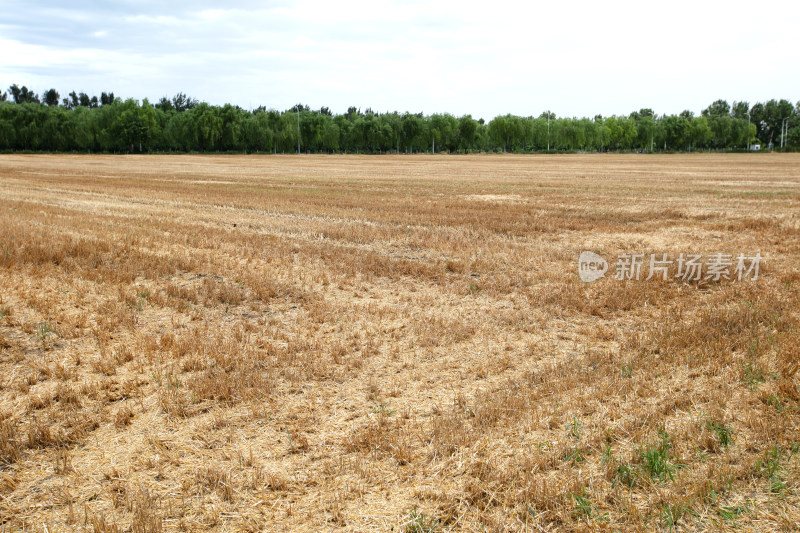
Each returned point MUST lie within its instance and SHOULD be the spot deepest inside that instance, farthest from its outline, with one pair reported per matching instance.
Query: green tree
(165, 104)
(208, 125)
(645, 128)
(392, 125)
(413, 126)
(256, 132)
(22, 95)
(181, 103)
(8, 135)
(131, 128)
(72, 101)
(571, 133)
(330, 136)
(231, 130)
(79, 130)
(84, 100)
(28, 121)
(51, 98)
(717, 109)
(286, 132)
(700, 133)
(740, 110)
(101, 126)
(51, 129)
(135, 126)
(467, 133)
(506, 132)
(721, 129)
(621, 132)
(774, 113)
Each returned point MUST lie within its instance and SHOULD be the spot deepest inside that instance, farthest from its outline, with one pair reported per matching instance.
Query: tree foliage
(84, 123)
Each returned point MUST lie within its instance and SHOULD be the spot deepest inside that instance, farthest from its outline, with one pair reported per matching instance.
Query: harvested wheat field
(281, 343)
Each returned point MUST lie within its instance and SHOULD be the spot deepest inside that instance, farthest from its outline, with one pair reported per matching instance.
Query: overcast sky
(484, 58)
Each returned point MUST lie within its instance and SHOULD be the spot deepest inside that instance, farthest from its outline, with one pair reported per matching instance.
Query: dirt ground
(376, 343)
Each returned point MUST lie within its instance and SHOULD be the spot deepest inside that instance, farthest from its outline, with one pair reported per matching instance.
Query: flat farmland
(374, 343)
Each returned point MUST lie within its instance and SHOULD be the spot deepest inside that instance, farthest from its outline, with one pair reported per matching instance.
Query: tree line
(83, 123)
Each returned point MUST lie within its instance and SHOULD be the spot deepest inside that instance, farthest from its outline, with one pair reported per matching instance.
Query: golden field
(375, 343)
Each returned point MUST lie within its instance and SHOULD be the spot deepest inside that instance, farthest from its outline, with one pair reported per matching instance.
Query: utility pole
(548, 131)
(298, 129)
(784, 125)
(748, 131)
(652, 133)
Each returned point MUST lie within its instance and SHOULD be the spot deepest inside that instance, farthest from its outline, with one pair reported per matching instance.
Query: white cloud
(484, 58)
